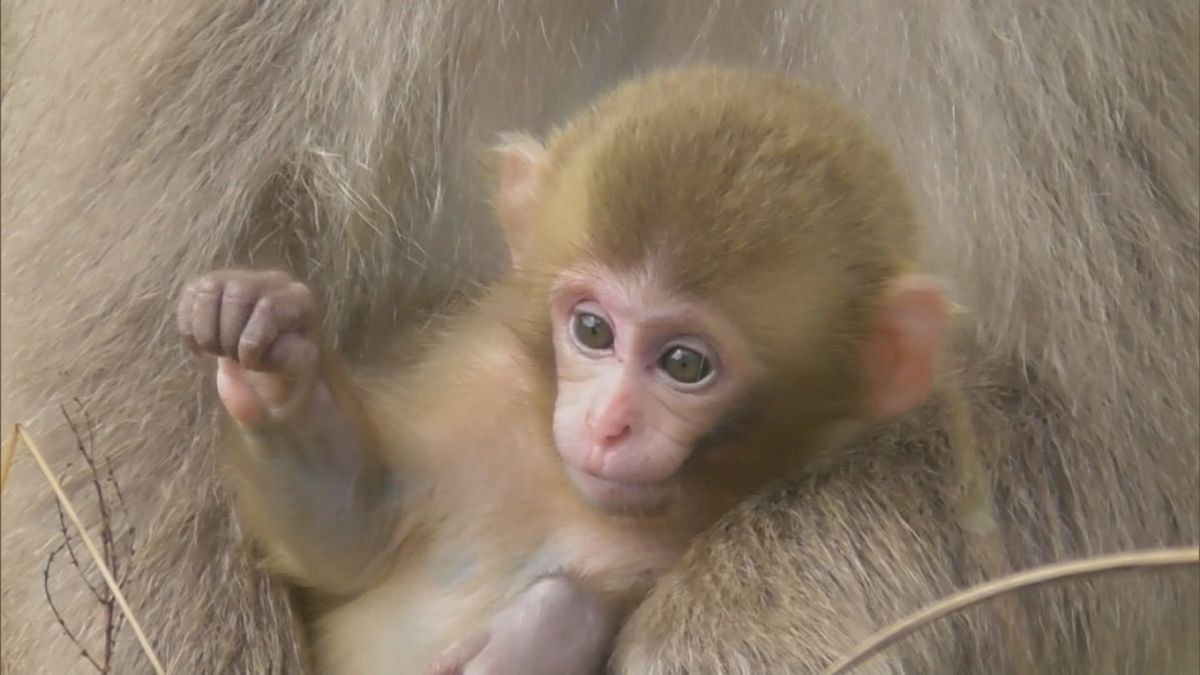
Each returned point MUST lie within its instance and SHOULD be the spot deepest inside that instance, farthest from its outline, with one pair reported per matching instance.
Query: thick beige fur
(1055, 148)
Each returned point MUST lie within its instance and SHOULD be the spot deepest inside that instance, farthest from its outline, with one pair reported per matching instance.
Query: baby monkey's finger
(287, 310)
(183, 316)
(291, 354)
(205, 314)
(237, 303)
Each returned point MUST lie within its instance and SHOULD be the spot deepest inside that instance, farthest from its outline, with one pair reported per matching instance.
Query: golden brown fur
(1054, 148)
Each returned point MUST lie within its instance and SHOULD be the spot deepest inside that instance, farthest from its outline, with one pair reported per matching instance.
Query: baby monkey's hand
(261, 326)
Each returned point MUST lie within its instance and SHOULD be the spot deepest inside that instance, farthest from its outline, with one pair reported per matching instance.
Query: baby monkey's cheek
(570, 415)
(682, 418)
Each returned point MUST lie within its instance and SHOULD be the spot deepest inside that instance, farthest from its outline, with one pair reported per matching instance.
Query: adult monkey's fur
(1055, 147)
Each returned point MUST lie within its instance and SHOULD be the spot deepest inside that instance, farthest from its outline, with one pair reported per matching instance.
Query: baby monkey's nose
(612, 422)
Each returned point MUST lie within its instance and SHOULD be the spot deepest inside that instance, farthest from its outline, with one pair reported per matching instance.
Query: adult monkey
(1056, 150)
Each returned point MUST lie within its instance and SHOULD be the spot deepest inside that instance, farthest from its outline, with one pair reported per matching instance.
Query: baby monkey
(711, 285)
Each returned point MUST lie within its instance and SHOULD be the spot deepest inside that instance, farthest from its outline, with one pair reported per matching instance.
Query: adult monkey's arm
(1056, 150)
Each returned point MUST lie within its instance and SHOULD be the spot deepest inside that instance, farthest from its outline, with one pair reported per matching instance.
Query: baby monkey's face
(643, 375)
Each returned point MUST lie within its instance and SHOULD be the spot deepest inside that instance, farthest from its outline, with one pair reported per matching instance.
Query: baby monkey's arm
(310, 484)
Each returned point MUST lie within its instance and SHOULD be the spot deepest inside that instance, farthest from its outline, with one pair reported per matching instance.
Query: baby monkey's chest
(452, 590)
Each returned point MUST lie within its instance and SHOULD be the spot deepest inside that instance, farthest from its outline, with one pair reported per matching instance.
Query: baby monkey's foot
(554, 627)
(261, 326)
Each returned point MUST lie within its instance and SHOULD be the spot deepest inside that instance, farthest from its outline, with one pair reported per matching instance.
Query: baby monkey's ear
(521, 162)
(901, 356)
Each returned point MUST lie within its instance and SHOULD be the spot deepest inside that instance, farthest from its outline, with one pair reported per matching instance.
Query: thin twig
(129, 536)
(66, 533)
(58, 615)
(106, 533)
(1142, 560)
(84, 449)
(108, 538)
(112, 480)
(91, 547)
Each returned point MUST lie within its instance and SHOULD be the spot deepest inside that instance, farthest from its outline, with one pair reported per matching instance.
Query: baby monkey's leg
(556, 626)
(309, 482)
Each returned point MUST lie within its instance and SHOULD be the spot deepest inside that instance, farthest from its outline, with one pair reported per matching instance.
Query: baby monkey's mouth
(622, 498)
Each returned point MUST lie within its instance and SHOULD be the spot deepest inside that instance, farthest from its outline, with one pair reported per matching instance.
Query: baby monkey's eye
(592, 332)
(684, 365)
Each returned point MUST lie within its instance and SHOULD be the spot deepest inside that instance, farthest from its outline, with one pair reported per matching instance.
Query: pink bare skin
(623, 425)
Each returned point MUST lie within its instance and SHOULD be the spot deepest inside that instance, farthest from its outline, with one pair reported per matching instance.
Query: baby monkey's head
(727, 262)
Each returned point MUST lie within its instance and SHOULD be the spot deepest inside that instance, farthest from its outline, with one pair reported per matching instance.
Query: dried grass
(19, 435)
(1154, 559)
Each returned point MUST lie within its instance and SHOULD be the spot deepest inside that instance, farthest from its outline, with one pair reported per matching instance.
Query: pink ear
(901, 358)
(522, 160)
